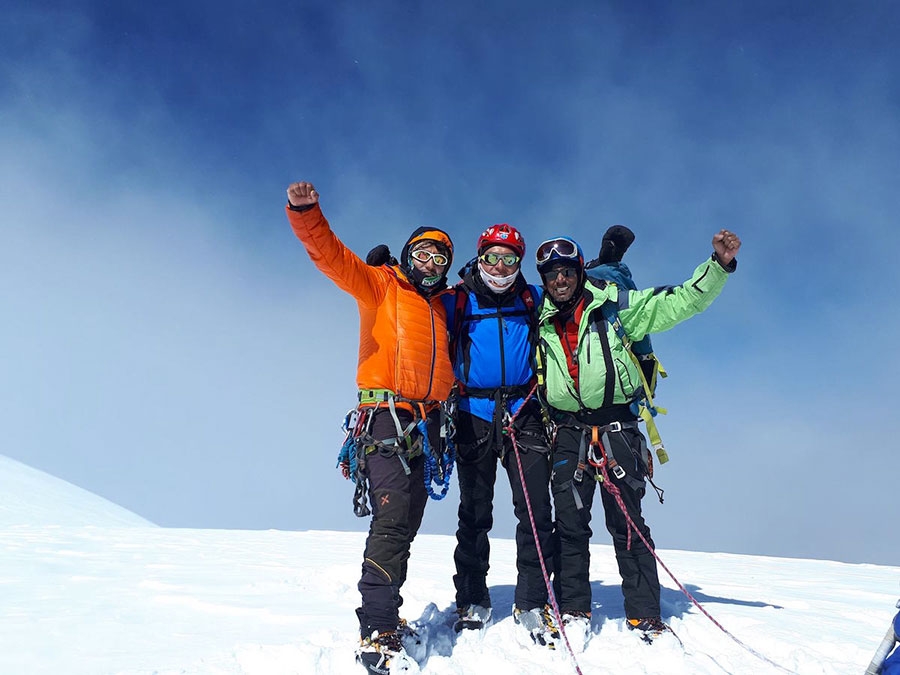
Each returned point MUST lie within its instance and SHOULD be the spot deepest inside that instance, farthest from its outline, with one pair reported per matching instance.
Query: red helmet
(502, 235)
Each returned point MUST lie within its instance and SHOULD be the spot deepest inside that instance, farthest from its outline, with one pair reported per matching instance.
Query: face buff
(497, 284)
(428, 282)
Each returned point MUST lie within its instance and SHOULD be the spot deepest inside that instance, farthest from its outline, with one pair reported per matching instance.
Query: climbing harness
(595, 450)
(410, 440)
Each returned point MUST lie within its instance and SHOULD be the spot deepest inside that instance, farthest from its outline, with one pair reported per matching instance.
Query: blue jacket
(891, 666)
(494, 347)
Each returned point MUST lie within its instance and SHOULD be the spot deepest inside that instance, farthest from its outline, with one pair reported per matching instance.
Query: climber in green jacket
(589, 382)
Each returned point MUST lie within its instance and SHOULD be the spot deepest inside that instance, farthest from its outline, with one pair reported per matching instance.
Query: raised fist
(726, 245)
(302, 194)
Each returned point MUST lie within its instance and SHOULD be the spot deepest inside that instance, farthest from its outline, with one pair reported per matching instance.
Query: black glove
(615, 242)
(380, 255)
(468, 267)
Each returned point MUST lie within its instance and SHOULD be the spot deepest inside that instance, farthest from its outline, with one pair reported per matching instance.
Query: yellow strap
(538, 367)
(658, 372)
(659, 367)
(653, 434)
(369, 396)
(648, 392)
(375, 395)
(647, 416)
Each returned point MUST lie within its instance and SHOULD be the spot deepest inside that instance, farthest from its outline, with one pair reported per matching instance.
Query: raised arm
(658, 309)
(327, 252)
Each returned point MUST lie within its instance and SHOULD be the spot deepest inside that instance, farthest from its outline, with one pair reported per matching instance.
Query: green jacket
(600, 349)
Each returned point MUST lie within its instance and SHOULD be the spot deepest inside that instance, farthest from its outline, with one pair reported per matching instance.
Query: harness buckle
(579, 472)
(618, 471)
(614, 427)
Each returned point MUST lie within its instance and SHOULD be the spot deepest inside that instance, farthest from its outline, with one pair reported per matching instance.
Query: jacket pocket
(627, 383)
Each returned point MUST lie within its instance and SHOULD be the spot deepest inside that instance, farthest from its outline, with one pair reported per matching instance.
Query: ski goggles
(423, 256)
(508, 259)
(557, 248)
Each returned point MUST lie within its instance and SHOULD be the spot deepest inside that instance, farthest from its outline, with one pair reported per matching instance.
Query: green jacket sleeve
(656, 310)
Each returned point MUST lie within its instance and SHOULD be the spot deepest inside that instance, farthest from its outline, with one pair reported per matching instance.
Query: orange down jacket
(403, 342)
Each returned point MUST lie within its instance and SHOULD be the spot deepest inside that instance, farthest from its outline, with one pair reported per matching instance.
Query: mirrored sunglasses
(424, 256)
(509, 259)
(560, 248)
(567, 272)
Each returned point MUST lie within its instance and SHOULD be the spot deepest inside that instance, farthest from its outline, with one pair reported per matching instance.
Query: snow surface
(88, 588)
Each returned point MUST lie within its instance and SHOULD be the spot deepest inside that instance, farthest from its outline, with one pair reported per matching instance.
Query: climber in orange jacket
(403, 376)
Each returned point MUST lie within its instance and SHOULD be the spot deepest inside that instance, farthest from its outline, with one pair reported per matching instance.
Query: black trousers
(573, 500)
(398, 504)
(478, 448)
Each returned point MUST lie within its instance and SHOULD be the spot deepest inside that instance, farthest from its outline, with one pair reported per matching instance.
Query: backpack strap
(458, 313)
(528, 298)
(644, 407)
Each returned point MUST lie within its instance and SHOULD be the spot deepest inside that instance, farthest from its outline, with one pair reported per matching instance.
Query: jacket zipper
(502, 351)
(433, 349)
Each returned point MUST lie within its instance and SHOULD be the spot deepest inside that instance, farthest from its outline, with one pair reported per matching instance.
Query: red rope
(612, 489)
(550, 594)
(616, 493)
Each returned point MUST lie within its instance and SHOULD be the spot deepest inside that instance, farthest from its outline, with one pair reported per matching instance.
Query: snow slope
(31, 497)
(89, 589)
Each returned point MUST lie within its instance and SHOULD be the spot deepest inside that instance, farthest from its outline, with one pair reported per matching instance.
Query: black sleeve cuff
(730, 267)
(301, 209)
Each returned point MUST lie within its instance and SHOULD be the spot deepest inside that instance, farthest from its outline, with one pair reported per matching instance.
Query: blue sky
(168, 345)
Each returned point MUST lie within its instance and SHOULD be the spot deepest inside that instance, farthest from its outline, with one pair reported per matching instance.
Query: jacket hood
(442, 240)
